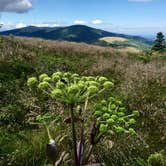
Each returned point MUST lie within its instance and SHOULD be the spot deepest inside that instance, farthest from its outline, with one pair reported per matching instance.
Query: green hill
(76, 33)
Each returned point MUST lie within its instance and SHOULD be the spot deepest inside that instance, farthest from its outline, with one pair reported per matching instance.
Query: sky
(139, 17)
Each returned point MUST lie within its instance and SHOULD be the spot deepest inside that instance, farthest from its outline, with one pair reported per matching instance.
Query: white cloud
(79, 22)
(139, 0)
(96, 22)
(20, 25)
(46, 25)
(17, 6)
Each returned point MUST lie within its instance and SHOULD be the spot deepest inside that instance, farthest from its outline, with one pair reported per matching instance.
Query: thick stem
(81, 146)
(89, 153)
(74, 134)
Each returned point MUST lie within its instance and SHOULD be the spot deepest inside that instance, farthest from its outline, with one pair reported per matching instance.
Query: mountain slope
(76, 33)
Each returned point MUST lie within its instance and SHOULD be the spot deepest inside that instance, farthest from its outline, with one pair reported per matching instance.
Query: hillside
(139, 83)
(76, 33)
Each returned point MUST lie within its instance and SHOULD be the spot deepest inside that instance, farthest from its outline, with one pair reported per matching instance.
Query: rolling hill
(76, 33)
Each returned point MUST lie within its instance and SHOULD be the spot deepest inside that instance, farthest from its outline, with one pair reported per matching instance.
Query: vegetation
(76, 92)
(25, 114)
(159, 44)
(75, 33)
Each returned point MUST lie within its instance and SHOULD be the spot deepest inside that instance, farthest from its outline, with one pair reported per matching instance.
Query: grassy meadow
(140, 82)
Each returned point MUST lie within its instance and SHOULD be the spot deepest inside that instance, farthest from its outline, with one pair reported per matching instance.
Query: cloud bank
(17, 6)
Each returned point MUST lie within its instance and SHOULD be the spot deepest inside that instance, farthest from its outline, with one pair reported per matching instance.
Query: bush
(157, 159)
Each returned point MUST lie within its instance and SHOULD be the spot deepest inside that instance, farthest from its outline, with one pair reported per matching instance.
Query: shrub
(157, 159)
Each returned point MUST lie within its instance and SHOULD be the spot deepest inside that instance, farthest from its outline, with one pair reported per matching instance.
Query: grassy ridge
(140, 83)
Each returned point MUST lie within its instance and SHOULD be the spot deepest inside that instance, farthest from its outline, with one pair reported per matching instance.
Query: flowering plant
(75, 91)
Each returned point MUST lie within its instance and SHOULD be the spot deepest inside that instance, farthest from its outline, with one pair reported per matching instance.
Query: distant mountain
(75, 33)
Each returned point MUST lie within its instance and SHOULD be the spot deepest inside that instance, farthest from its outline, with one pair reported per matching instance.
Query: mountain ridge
(76, 33)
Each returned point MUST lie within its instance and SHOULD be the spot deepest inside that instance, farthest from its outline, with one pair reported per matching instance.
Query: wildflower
(43, 85)
(93, 89)
(103, 128)
(42, 76)
(32, 81)
(108, 85)
(110, 121)
(56, 93)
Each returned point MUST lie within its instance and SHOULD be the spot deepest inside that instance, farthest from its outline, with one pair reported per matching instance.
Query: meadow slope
(140, 82)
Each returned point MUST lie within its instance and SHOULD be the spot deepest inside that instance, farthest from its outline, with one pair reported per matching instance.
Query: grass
(140, 83)
(112, 39)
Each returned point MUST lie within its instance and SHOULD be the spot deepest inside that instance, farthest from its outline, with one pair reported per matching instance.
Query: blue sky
(126, 16)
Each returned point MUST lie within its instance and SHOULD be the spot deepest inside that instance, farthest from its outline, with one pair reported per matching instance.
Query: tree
(159, 44)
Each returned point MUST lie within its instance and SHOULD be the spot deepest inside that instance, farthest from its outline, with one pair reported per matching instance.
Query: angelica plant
(75, 92)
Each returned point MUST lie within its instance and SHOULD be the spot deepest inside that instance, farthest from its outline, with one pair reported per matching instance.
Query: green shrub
(157, 159)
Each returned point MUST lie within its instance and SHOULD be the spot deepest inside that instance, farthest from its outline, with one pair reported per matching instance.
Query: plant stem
(74, 134)
(89, 153)
(48, 131)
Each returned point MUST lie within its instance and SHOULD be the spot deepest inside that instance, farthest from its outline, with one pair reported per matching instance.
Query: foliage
(159, 44)
(75, 90)
(141, 86)
(157, 159)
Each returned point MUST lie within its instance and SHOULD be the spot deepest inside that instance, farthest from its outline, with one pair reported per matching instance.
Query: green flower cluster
(70, 88)
(113, 117)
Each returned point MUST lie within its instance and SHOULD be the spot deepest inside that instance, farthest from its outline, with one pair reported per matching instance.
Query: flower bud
(91, 78)
(132, 131)
(108, 84)
(42, 76)
(67, 74)
(60, 85)
(114, 117)
(104, 109)
(43, 85)
(58, 73)
(120, 129)
(113, 106)
(97, 113)
(132, 122)
(102, 79)
(93, 83)
(73, 89)
(32, 81)
(56, 93)
(51, 150)
(103, 128)
(104, 102)
(118, 102)
(111, 99)
(84, 78)
(121, 114)
(110, 121)
(93, 89)
(110, 111)
(75, 75)
(122, 109)
(121, 120)
(136, 113)
(55, 77)
(106, 116)
(81, 85)
(47, 79)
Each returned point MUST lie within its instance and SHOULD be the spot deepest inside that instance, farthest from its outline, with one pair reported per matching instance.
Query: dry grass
(25, 46)
(113, 39)
(130, 49)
